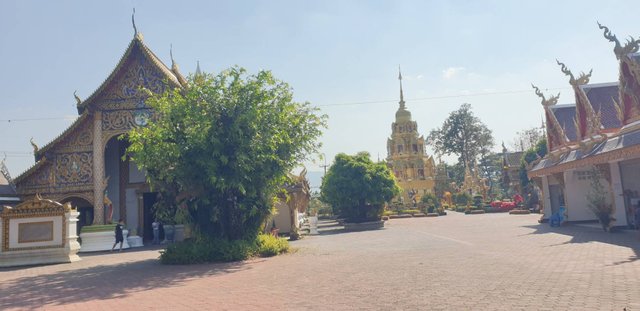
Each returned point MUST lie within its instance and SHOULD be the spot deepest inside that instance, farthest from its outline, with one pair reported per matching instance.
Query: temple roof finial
(133, 21)
(78, 100)
(401, 94)
(173, 63)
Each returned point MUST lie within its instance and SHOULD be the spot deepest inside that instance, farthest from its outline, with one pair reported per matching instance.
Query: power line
(349, 103)
(33, 119)
(440, 97)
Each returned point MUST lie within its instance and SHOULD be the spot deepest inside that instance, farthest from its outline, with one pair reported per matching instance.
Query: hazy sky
(342, 56)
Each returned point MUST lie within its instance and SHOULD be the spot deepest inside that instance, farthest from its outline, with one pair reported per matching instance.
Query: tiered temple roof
(602, 127)
(152, 73)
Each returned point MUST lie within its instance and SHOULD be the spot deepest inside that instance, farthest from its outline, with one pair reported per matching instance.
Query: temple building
(511, 171)
(597, 137)
(407, 157)
(86, 164)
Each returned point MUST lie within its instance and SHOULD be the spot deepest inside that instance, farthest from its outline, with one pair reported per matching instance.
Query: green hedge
(98, 228)
(409, 211)
(201, 250)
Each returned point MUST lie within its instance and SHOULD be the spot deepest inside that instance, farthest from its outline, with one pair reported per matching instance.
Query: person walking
(119, 235)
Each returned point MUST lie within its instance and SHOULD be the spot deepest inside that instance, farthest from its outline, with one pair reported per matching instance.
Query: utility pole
(325, 165)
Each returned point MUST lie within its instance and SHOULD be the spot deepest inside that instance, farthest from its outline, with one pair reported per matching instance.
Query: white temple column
(546, 198)
(619, 212)
(98, 170)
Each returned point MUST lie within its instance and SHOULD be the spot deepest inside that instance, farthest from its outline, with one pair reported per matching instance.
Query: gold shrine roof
(137, 42)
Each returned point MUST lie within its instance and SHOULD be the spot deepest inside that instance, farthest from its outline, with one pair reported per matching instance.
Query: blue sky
(333, 54)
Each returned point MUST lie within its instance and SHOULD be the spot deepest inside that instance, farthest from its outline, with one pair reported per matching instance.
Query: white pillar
(619, 212)
(546, 197)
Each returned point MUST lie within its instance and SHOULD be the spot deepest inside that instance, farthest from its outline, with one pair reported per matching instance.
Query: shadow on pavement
(583, 234)
(103, 282)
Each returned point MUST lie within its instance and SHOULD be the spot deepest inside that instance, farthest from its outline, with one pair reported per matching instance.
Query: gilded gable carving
(42, 178)
(126, 93)
(73, 168)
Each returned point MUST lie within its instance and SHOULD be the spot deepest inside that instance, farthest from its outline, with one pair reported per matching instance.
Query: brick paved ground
(474, 262)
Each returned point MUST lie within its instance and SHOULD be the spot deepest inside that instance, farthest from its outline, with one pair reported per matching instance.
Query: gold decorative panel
(74, 168)
(29, 232)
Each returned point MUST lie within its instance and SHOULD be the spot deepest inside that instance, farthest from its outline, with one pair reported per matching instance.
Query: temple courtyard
(462, 262)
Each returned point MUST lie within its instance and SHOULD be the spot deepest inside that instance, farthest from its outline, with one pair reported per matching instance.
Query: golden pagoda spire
(198, 71)
(401, 94)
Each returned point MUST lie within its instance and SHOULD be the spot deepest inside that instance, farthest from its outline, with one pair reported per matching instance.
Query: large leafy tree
(357, 188)
(464, 135)
(221, 147)
(527, 138)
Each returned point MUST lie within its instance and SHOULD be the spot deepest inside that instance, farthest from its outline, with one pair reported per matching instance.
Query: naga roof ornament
(35, 147)
(175, 69)
(556, 133)
(631, 46)
(589, 123)
(546, 102)
(628, 105)
(136, 34)
(78, 100)
(582, 79)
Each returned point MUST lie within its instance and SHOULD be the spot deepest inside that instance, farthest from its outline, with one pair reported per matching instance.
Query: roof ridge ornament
(133, 21)
(35, 147)
(175, 69)
(546, 102)
(582, 79)
(136, 34)
(631, 46)
(78, 100)
(173, 63)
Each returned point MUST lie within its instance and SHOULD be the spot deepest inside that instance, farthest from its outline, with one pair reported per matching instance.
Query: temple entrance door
(148, 199)
(629, 172)
(86, 211)
(117, 171)
(555, 196)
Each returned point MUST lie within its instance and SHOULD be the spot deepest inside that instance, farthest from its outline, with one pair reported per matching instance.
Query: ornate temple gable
(139, 66)
(628, 104)
(587, 120)
(64, 172)
(77, 137)
(556, 136)
(37, 179)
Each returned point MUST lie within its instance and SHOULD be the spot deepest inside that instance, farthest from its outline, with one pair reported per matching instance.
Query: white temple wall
(577, 187)
(131, 202)
(135, 175)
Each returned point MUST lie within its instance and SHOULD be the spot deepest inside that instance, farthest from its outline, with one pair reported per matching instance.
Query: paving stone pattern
(455, 262)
